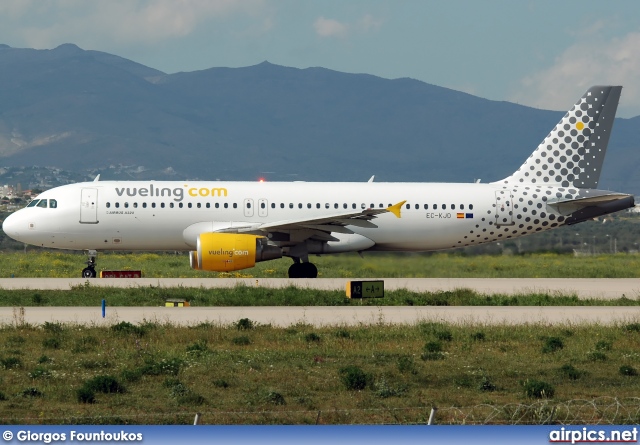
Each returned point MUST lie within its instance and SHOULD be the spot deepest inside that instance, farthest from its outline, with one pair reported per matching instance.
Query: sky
(542, 53)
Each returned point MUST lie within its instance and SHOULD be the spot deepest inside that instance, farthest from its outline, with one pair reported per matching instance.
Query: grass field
(288, 296)
(37, 263)
(246, 374)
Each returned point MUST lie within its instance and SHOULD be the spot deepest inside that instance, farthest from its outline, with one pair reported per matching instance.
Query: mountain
(88, 110)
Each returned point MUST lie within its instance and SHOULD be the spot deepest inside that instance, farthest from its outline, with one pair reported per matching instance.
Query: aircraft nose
(11, 226)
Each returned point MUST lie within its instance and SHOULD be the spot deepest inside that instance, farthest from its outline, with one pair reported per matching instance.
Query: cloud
(369, 23)
(330, 28)
(588, 62)
(333, 28)
(51, 22)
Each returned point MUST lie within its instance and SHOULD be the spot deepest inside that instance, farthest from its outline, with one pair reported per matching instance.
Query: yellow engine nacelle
(223, 252)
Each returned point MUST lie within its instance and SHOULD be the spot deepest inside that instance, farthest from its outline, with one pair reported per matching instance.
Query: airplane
(229, 226)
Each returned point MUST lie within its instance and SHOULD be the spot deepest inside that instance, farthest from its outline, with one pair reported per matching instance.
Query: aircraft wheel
(309, 270)
(296, 271)
(89, 272)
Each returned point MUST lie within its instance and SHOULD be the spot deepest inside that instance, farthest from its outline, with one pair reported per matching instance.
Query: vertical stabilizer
(573, 153)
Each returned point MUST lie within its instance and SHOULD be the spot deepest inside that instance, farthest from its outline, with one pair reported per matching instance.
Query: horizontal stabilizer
(570, 206)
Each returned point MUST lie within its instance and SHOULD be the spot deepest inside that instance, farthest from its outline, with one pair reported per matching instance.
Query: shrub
(31, 392)
(478, 336)
(198, 348)
(2, 396)
(44, 359)
(632, 327)
(628, 371)
(552, 344)
(596, 356)
(244, 324)
(275, 398)
(312, 337)
(105, 384)
(603, 345)
(406, 364)
(433, 346)
(354, 378)
(487, 385)
(242, 340)
(443, 335)
(432, 351)
(343, 333)
(570, 372)
(538, 389)
(10, 362)
(40, 372)
(191, 398)
(85, 395)
(131, 375)
(126, 328)
(220, 383)
(52, 343)
(54, 328)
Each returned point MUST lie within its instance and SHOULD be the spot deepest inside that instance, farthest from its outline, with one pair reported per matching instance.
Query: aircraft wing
(320, 227)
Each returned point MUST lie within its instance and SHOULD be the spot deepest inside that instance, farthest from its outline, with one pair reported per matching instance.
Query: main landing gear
(90, 270)
(302, 269)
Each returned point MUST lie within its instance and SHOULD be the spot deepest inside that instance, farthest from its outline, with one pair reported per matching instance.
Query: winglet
(395, 209)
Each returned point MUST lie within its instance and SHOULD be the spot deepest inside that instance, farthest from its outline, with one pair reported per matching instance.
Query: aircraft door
(504, 208)
(263, 207)
(89, 206)
(248, 208)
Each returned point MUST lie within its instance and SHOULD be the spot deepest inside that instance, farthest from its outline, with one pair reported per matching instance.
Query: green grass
(288, 296)
(355, 375)
(39, 263)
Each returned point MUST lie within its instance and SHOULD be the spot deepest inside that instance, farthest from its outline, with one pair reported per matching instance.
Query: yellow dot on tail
(579, 125)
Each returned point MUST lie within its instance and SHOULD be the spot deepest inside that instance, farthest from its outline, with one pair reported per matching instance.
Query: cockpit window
(53, 204)
(43, 203)
(33, 203)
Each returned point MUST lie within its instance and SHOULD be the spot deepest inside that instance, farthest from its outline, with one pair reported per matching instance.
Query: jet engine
(223, 252)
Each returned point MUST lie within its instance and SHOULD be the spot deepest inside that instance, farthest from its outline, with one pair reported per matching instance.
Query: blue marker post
(104, 307)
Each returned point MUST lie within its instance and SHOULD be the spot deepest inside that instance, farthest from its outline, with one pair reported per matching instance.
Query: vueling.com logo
(230, 253)
(176, 193)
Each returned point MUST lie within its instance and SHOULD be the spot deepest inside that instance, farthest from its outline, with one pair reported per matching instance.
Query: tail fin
(573, 153)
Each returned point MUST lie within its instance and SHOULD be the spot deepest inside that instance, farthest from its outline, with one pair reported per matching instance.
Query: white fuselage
(150, 215)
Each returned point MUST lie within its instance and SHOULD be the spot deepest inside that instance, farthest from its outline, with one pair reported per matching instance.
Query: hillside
(89, 111)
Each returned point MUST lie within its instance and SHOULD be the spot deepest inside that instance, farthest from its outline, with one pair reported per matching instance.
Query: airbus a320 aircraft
(230, 226)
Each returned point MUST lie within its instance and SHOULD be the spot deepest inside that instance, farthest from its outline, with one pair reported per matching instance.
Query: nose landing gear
(90, 270)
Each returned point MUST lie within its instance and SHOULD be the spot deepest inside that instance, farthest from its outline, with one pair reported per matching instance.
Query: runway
(601, 288)
(325, 315)
(605, 288)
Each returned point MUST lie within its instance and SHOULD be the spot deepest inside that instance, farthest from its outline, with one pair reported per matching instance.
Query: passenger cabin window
(108, 205)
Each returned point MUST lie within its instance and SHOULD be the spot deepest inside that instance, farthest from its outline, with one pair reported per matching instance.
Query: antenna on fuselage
(371, 178)
(97, 178)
